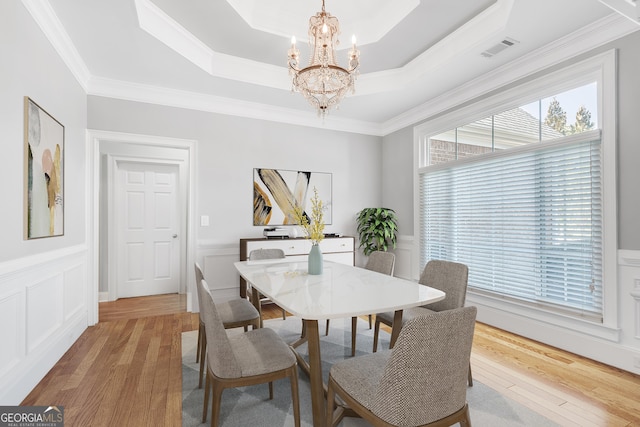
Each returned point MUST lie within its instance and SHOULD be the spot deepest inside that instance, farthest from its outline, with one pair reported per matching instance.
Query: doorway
(108, 151)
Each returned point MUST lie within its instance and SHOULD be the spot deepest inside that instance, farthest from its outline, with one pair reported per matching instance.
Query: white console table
(336, 249)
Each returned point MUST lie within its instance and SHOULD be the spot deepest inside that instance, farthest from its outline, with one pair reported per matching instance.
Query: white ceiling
(230, 55)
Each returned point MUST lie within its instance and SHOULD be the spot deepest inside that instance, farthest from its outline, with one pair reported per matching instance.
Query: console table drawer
(289, 246)
(336, 245)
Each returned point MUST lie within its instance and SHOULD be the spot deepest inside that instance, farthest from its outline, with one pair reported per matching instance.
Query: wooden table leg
(315, 375)
(397, 326)
(255, 298)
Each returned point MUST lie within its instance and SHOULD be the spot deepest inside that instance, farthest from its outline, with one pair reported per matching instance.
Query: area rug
(251, 407)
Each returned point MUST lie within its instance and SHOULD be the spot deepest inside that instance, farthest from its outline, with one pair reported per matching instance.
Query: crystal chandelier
(323, 83)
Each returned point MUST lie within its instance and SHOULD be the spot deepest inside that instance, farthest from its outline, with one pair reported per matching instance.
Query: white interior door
(148, 223)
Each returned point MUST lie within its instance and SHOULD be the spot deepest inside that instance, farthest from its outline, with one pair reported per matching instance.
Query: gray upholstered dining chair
(234, 314)
(380, 262)
(262, 254)
(449, 277)
(255, 357)
(421, 382)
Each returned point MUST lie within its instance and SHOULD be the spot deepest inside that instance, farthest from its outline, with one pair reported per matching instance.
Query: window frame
(600, 68)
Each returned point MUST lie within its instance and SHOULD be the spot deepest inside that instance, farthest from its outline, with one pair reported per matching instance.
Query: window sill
(495, 310)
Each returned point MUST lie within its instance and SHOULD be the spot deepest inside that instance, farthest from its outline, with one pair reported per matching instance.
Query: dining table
(340, 291)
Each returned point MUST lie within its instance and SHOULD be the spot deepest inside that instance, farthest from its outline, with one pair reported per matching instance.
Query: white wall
(229, 148)
(42, 282)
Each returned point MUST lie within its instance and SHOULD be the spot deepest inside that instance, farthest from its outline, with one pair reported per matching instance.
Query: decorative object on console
(314, 230)
(276, 233)
(323, 82)
(277, 192)
(44, 173)
(377, 229)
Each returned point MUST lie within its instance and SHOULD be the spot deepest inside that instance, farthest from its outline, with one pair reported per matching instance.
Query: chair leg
(330, 403)
(284, 314)
(354, 326)
(466, 420)
(295, 395)
(370, 316)
(326, 332)
(469, 376)
(200, 334)
(376, 331)
(203, 355)
(215, 404)
(270, 390)
(207, 387)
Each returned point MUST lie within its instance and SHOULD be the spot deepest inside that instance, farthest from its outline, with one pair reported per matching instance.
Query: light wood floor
(126, 371)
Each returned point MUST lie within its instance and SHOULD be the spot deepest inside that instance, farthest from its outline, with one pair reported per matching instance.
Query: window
(526, 222)
(519, 195)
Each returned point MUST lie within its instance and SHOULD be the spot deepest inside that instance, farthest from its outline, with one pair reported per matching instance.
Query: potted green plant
(377, 229)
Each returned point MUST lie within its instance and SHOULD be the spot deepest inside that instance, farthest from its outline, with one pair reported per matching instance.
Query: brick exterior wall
(445, 151)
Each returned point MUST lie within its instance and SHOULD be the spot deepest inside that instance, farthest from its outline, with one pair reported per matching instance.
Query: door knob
(174, 236)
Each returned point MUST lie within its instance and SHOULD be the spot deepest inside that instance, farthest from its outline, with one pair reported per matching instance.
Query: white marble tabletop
(341, 291)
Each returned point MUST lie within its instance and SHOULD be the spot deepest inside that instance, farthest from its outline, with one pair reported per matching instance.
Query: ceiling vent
(494, 50)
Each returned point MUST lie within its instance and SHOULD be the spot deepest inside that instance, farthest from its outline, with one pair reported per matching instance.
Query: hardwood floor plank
(598, 415)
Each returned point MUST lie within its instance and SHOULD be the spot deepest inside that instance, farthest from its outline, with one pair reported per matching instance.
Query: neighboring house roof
(510, 129)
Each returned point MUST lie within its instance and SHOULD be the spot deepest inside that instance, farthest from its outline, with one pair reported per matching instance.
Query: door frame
(96, 141)
(113, 206)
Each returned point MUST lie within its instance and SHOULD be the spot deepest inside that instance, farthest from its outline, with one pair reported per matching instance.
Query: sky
(570, 101)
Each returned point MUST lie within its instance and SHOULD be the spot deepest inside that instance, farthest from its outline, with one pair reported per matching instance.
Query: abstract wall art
(44, 173)
(276, 192)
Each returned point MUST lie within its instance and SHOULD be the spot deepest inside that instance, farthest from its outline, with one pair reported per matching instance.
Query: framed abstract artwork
(44, 173)
(276, 192)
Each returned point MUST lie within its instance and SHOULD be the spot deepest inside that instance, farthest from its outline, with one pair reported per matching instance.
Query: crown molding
(627, 8)
(590, 37)
(601, 32)
(216, 104)
(54, 31)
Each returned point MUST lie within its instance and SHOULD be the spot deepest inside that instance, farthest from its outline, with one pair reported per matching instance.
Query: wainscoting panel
(629, 278)
(75, 291)
(218, 269)
(43, 306)
(44, 309)
(404, 267)
(12, 339)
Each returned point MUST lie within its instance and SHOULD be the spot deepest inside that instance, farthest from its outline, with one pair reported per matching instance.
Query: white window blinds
(526, 221)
